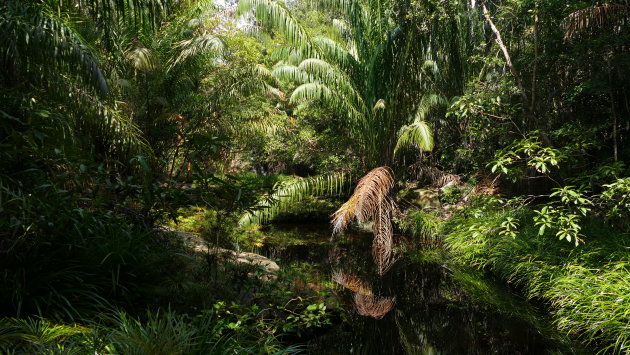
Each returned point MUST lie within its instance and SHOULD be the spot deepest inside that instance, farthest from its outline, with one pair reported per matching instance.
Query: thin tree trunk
(534, 70)
(614, 113)
(508, 60)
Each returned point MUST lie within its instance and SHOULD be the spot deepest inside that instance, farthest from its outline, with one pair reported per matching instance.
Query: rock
(200, 246)
(424, 198)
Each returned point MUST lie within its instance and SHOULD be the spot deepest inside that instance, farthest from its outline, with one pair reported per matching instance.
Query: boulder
(199, 245)
(425, 198)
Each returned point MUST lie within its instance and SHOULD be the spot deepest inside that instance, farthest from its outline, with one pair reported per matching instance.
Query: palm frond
(288, 55)
(334, 52)
(595, 17)
(141, 58)
(383, 243)
(428, 102)
(291, 73)
(290, 193)
(416, 134)
(342, 29)
(379, 105)
(372, 306)
(205, 43)
(370, 193)
(39, 42)
(275, 14)
(148, 12)
(245, 81)
(330, 98)
(333, 77)
(352, 282)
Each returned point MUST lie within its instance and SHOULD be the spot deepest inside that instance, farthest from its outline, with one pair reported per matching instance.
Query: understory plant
(213, 331)
(585, 287)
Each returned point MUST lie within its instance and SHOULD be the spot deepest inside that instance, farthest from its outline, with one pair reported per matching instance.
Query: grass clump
(423, 227)
(214, 331)
(586, 287)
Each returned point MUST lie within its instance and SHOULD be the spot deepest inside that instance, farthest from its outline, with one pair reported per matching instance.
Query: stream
(422, 305)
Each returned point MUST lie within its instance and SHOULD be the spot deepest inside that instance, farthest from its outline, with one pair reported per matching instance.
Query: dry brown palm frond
(368, 196)
(371, 200)
(383, 244)
(595, 17)
(371, 306)
(384, 255)
(487, 187)
(434, 176)
(352, 282)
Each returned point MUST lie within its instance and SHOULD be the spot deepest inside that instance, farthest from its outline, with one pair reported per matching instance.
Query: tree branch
(506, 54)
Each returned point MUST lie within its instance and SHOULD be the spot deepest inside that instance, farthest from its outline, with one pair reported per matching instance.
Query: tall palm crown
(389, 63)
(389, 66)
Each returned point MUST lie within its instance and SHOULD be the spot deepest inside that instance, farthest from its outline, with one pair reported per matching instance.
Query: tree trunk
(508, 61)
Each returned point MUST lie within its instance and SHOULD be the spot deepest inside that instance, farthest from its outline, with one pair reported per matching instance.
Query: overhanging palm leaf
(369, 195)
(288, 194)
(274, 14)
(417, 134)
(371, 201)
(201, 44)
(372, 306)
(36, 41)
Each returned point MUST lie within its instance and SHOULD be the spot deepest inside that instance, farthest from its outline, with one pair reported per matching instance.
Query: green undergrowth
(587, 288)
(218, 228)
(219, 330)
(96, 282)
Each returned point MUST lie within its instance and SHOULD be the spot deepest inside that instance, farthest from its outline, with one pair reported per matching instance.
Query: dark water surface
(438, 309)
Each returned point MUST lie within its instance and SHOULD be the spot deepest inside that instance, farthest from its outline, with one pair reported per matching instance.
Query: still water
(422, 305)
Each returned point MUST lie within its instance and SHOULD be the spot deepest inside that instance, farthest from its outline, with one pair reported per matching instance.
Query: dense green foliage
(586, 286)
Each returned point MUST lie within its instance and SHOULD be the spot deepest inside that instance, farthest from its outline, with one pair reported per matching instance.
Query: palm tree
(389, 66)
(41, 37)
(45, 49)
(383, 74)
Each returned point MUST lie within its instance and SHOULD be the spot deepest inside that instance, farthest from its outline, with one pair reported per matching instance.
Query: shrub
(587, 287)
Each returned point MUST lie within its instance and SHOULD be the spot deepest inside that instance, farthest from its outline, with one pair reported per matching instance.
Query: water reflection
(433, 315)
(418, 307)
(365, 302)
